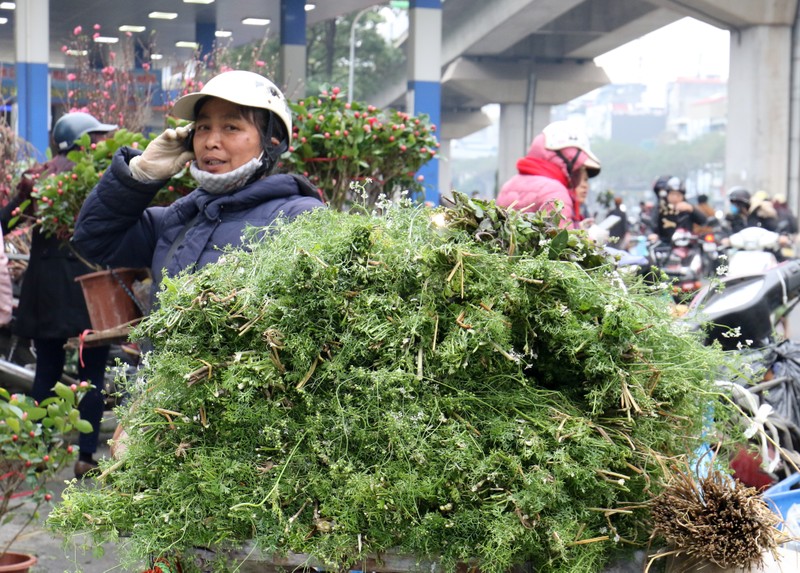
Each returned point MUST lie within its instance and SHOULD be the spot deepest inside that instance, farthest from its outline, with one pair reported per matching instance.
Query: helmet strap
(269, 158)
(570, 163)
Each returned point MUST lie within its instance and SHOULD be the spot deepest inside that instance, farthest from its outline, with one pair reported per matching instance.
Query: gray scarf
(222, 183)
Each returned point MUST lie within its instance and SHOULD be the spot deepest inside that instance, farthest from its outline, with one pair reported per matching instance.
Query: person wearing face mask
(745, 212)
(673, 210)
(242, 124)
(556, 170)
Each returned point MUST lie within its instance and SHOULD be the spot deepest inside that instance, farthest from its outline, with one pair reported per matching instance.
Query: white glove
(165, 156)
(598, 234)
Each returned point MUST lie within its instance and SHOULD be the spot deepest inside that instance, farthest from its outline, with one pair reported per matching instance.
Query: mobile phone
(188, 143)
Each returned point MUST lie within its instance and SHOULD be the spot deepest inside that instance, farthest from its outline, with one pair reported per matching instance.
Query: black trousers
(50, 359)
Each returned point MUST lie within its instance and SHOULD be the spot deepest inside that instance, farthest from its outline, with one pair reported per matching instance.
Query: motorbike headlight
(732, 298)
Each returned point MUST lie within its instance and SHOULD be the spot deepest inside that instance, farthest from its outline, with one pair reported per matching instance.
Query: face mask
(222, 183)
(734, 209)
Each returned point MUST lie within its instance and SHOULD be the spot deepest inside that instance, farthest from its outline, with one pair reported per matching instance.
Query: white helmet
(242, 88)
(563, 135)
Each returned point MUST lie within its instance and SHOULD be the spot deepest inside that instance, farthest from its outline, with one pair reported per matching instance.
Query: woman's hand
(165, 156)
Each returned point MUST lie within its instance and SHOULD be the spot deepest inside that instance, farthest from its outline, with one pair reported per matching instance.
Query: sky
(687, 47)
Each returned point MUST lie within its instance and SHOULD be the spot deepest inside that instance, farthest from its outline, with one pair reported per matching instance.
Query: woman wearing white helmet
(242, 124)
(555, 170)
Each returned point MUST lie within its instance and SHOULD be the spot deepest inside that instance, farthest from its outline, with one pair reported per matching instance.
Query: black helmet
(70, 127)
(739, 195)
(661, 184)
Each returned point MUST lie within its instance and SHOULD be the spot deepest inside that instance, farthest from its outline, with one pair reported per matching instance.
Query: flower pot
(11, 562)
(110, 296)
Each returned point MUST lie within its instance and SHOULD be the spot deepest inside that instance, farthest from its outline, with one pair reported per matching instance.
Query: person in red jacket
(556, 170)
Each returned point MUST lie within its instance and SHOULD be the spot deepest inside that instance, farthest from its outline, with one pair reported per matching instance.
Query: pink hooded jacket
(542, 180)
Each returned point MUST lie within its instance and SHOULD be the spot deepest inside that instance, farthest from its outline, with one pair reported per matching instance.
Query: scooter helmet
(249, 90)
(675, 184)
(660, 186)
(561, 135)
(740, 196)
(72, 126)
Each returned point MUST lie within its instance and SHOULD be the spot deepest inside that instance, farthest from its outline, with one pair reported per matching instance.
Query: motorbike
(681, 260)
(752, 250)
(740, 314)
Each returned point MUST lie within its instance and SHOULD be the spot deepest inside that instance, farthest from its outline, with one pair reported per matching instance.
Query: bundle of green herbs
(466, 384)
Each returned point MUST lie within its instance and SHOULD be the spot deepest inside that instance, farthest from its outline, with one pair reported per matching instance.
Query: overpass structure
(525, 55)
(528, 55)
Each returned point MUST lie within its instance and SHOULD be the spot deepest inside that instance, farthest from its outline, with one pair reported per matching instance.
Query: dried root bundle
(716, 519)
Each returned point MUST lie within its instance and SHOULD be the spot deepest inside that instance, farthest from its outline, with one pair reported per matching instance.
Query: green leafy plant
(465, 385)
(57, 199)
(335, 143)
(34, 448)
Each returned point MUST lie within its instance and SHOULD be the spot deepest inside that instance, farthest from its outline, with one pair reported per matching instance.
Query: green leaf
(64, 392)
(36, 413)
(14, 424)
(558, 244)
(83, 427)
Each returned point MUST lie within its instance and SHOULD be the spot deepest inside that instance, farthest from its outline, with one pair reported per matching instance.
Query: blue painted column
(204, 35)
(292, 75)
(31, 39)
(424, 77)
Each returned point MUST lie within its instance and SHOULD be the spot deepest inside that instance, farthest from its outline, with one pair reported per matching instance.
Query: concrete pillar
(757, 152)
(541, 118)
(31, 40)
(793, 190)
(292, 76)
(512, 144)
(424, 77)
(514, 138)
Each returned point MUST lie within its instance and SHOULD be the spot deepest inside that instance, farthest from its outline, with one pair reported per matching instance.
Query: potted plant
(336, 144)
(56, 201)
(33, 449)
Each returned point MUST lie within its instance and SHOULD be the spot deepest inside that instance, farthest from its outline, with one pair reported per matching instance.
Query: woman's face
(581, 179)
(674, 197)
(223, 138)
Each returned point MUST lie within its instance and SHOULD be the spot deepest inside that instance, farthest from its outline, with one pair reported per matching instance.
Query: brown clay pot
(11, 562)
(109, 304)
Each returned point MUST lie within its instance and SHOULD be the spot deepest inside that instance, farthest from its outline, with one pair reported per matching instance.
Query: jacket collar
(249, 196)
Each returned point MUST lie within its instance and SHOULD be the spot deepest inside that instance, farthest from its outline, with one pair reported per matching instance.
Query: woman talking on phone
(242, 124)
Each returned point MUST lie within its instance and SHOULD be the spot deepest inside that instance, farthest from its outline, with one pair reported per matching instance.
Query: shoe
(85, 469)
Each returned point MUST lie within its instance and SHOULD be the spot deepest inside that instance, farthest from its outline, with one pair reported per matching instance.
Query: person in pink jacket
(556, 169)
